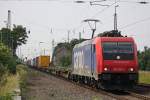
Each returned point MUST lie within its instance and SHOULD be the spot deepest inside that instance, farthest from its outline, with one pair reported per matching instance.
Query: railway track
(139, 96)
(144, 85)
(118, 95)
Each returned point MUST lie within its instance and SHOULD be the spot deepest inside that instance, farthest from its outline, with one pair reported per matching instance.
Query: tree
(14, 38)
(20, 36)
(62, 54)
(113, 33)
(140, 59)
(9, 41)
(144, 59)
(148, 65)
(5, 36)
(76, 41)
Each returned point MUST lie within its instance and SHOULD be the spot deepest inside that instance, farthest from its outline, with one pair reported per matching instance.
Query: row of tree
(144, 59)
(62, 54)
(9, 41)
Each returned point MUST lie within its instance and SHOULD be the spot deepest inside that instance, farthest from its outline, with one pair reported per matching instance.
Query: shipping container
(43, 62)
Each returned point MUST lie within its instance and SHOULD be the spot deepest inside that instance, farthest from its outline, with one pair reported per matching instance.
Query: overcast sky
(51, 19)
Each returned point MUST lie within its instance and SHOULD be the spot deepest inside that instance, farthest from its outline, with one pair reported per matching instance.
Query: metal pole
(40, 48)
(92, 28)
(53, 43)
(68, 35)
(79, 35)
(93, 31)
(9, 20)
(115, 18)
(44, 51)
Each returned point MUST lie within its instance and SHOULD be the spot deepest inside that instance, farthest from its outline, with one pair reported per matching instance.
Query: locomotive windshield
(118, 51)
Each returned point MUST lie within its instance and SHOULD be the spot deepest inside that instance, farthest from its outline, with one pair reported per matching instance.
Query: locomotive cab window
(118, 51)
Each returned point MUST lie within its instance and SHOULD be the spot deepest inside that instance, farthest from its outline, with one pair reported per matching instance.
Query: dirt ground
(41, 86)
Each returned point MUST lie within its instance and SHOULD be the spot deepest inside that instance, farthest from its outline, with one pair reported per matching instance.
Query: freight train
(41, 62)
(107, 62)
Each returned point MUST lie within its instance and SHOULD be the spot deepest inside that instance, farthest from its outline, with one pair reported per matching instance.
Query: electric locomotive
(106, 62)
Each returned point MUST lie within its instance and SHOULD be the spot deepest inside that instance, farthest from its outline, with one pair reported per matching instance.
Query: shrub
(3, 71)
(7, 59)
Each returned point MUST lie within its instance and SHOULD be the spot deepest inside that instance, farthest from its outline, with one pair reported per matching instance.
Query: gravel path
(41, 86)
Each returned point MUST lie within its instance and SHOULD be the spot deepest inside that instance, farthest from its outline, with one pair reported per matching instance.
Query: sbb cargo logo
(78, 60)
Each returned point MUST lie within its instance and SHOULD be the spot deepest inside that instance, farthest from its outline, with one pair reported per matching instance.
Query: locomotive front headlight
(131, 69)
(105, 69)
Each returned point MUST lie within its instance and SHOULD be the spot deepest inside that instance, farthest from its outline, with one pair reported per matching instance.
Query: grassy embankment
(144, 77)
(7, 90)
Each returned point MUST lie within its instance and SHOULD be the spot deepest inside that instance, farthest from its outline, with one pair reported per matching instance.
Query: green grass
(13, 82)
(7, 89)
(144, 77)
(96, 98)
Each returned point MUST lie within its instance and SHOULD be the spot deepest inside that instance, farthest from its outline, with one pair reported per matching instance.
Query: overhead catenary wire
(46, 27)
(105, 8)
(136, 22)
(62, 1)
(30, 0)
(139, 1)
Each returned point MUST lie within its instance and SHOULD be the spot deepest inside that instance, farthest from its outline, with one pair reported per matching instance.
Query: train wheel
(97, 85)
(81, 79)
(75, 78)
(86, 80)
(69, 76)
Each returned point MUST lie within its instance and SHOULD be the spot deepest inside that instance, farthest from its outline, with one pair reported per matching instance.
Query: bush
(7, 97)
(144, 59)
(12, 65)
(7, 59)
(65, 61)
(3, 72)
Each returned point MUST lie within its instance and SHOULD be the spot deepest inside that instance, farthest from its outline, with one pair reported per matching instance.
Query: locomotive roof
(103, 39)
(129, 39)
(83, 43)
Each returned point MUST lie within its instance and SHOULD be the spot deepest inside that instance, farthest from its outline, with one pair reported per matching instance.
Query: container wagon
(43, 62)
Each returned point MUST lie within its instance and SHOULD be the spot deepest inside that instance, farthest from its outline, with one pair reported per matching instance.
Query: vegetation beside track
(144, 59)
(9, 42)
(144, 77)
(6, 90)
(13, 82)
